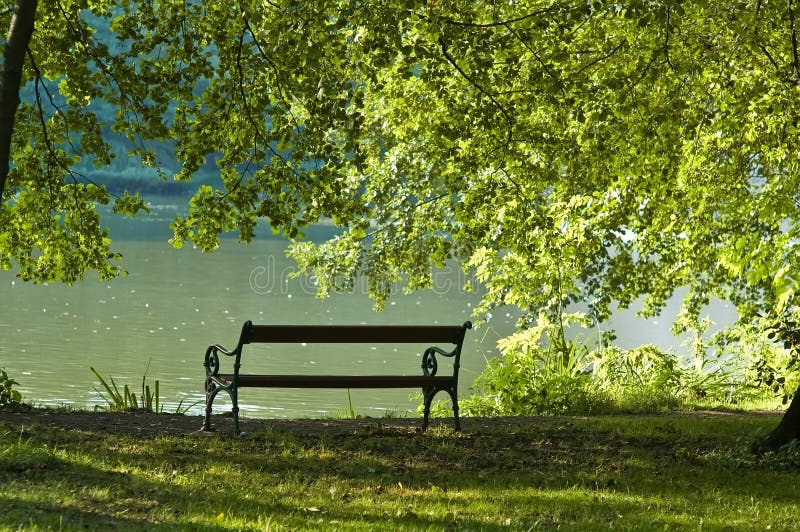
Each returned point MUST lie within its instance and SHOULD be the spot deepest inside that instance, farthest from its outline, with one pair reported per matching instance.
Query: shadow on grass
(104, 483)
(554, 474)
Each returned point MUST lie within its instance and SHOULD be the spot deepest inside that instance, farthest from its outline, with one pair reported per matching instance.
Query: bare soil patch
(146, 424)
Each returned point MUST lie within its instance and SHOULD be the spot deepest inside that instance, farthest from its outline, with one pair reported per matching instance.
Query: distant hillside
(126, 172)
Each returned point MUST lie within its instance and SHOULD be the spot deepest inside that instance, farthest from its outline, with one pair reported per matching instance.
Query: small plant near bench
(124, 400)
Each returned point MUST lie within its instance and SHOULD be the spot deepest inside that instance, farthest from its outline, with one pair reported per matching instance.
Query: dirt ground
(144, 424)
(148, 425)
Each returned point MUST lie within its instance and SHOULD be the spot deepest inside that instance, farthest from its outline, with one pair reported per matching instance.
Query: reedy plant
(124, 400)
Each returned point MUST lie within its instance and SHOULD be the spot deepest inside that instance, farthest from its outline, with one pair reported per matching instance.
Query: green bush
(537, 380)
(566, 377)
(641, 379)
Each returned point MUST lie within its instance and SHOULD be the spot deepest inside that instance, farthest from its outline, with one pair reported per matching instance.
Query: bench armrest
(211, 360)
(429, 363)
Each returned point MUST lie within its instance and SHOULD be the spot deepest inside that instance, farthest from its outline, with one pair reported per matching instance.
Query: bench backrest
(433, 335)
(353, 333)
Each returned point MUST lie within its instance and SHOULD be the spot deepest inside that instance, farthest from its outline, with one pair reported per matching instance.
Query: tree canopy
(563, 151)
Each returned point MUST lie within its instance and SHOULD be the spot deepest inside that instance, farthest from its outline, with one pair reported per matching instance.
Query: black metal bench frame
(429, 381)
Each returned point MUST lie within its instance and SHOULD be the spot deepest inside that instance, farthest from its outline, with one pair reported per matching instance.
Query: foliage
(529, 378)
(532, 381)
(647, 379)
(771, 372)
(555, 375)
(8, 395)
(599, 151)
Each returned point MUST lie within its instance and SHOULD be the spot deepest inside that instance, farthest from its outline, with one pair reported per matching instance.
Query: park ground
(68, 470)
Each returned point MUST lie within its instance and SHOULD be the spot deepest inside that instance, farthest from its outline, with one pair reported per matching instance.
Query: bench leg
(454, 398)
(236, 431)
(211, 392)
(207, 421)
(234, 393)
(427, 394)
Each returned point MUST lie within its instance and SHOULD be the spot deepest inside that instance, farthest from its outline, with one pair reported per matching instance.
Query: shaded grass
(683, 471)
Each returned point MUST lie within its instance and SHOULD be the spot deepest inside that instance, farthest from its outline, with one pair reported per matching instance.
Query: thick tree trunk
(787, 430)
(19, 36)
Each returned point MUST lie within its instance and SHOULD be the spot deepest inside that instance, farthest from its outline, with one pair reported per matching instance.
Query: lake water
(159, 320)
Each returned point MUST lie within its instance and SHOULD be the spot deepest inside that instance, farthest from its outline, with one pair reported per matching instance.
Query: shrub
(530, 379)
(642, 379)
(567, 377)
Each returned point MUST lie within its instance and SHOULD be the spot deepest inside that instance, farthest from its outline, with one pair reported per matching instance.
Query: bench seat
(337, 381)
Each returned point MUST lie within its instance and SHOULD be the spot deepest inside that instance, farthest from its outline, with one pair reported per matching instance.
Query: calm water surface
(159, 320)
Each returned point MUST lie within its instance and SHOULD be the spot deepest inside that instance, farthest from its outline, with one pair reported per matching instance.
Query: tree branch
(248, 111)
(535, 54)
(38, 85)
(795, 56)
(77, 31)
(503, 111)
(484, 25)
(603, 57)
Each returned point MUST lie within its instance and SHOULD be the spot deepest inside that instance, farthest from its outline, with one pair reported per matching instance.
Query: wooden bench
(428, 381)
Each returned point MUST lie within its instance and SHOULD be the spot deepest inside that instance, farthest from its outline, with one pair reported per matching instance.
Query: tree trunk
(787, 430)
(19, 36)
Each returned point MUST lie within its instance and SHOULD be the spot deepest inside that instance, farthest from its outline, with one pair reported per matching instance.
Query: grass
(673, 472)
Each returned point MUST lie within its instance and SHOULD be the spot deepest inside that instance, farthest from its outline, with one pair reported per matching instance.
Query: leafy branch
(451, 60)
(544, 11)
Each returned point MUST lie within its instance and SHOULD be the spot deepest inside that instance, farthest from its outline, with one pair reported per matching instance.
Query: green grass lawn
(673, 472)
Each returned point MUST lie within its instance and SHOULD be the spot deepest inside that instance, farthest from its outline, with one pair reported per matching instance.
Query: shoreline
(148, 424)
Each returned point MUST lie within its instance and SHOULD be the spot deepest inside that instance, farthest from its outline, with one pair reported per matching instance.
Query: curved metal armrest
(211, 360)
(220, 349)
(429, 363)
(442, 352)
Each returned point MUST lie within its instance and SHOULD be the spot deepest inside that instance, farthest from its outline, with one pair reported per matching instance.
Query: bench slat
(340, 381)
(355, 334)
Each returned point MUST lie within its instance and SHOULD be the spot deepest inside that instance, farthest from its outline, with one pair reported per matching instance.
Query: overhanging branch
(479, 87)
